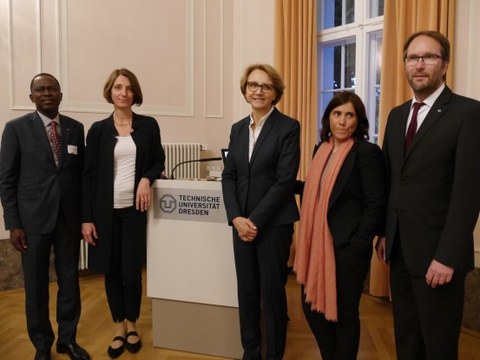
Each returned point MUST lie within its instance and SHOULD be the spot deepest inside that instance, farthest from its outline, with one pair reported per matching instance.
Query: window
(337, 13)
(350, 53)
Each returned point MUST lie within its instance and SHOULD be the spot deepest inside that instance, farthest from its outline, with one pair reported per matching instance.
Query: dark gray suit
(45, 201)
(433, 207)
(262, 189)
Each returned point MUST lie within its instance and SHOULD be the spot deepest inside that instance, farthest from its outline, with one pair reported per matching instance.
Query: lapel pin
(439, 110)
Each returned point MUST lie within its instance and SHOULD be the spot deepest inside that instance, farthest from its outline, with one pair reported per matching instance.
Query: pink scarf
(315, 256)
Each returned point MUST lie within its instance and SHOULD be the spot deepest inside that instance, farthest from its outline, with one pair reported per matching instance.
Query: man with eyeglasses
(432, 152)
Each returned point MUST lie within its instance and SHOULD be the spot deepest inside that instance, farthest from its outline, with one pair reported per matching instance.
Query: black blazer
(434, 197)
(32, 188)
(97, 205)
(262, 189)
(357, 204)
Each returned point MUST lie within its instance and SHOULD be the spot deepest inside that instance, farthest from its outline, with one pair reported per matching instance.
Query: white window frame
(361, 30)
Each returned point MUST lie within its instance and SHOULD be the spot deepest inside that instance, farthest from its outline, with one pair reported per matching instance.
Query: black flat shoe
(75, 351)
(133, 348)
(116, 352)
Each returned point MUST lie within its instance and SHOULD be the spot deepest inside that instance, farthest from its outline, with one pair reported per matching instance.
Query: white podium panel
(190, 269)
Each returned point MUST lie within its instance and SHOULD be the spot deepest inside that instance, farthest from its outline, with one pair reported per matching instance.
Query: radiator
(175, 153)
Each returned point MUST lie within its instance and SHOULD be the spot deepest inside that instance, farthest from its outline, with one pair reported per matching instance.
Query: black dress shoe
(116, 352)
(133, 347)
(73, 350)
(42, 355)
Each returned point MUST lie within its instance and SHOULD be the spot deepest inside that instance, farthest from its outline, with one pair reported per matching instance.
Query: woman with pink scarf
(342, 211)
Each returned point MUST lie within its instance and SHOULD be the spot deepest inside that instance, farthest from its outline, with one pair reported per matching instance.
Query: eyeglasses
(429, 59)
(253, 87)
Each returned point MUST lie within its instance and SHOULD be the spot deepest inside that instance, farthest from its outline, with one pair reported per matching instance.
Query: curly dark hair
(341, 98)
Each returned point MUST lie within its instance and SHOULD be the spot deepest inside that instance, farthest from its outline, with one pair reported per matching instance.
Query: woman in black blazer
(123, 157)
(258, 189)
(342, 211)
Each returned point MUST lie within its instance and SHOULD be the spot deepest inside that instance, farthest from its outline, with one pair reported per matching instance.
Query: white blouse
(124, 172)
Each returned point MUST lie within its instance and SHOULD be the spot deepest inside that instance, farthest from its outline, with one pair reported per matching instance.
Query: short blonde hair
(277, 80)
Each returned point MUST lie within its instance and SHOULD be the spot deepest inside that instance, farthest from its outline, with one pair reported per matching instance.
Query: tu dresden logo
(168, 203)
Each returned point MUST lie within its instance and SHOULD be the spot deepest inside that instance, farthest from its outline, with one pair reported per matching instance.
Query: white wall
(466, 69)
(187, 54)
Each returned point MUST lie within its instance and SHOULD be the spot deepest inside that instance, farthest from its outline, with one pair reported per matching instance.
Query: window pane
(376, 42)
(376, 8)
(332, 67)
(378, 63)
(338, 13)
(350, 65)
(338, 65)
(377, 108)
(335, 13)
(336, 70)
(373, 96)
(350, 11)
(326, 97)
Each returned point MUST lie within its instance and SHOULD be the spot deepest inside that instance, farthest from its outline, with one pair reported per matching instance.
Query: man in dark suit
(41, 161)
(433, 203)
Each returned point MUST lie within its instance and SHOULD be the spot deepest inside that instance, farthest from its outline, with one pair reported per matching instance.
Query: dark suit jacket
(97, 205)
(357, 204)
(262, 189)
(434, 197)
(31, 186)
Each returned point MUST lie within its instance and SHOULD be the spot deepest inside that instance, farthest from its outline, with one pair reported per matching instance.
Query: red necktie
(412, 128)
(55, 139)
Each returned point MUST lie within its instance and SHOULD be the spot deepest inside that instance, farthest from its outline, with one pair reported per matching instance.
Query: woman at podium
(258, 188)
(123, 157)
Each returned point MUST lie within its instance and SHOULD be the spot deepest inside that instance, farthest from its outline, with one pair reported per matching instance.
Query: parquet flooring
(95, 329)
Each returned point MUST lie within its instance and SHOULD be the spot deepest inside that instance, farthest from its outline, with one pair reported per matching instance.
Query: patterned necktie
(412, 128)
(55, 140)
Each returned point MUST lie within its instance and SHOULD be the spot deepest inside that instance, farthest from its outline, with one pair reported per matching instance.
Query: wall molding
(10, 55)
(100, 107)
(62, 63)
(472, 61)
(11, 51)
(220, 85)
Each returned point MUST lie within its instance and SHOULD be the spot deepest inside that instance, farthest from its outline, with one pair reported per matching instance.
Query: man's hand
(381, 249)
(18, 239)
(438, 274)
(89, 233)
(247, 231)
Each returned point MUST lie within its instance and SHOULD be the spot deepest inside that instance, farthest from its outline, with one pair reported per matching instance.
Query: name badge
(72, 149)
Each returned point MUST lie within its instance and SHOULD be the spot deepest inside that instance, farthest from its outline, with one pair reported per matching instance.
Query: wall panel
(157, 46)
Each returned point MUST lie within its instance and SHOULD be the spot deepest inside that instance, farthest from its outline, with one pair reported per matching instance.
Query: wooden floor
(95, 329)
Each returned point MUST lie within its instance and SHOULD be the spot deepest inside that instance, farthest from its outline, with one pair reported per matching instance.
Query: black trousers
(427, 321)
(262, 272)
(123, 284)
(340, 340)
(36, 263)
